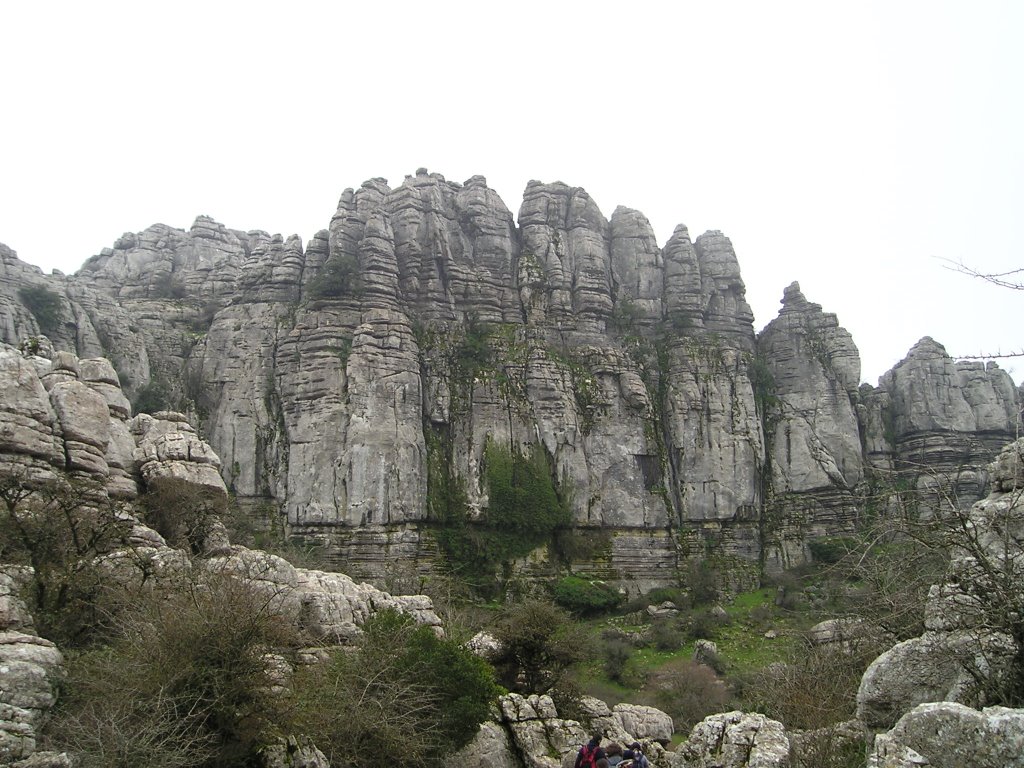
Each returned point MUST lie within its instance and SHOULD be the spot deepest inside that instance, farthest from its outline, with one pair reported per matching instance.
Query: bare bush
(687, 691)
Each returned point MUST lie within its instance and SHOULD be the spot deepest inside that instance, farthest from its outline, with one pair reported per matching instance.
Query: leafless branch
(1001, 279)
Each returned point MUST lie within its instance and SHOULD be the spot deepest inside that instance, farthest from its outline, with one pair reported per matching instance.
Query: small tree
(62, 528)
(540, 643)
(586, 596)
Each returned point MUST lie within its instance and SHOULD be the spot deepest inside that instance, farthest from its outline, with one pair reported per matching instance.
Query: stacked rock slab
(31, 668)
(734, 740)
(66, 417)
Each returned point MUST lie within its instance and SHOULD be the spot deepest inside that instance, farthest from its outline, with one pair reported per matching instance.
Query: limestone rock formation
(942, 421)
(170, 455)
(425, 322)
(529, 731)
(293, 753)
(30, 671)
(60, 414)
(626, 722)
(490, 748)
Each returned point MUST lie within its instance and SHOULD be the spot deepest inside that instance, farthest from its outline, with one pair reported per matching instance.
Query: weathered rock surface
(942, 421)
(31, 668)
(329, 605)
(490, 748)
(62, 414)
(170, 456)
(848, 635)
(950, 735)
(293, 753)
(937, 666)
(45, 760)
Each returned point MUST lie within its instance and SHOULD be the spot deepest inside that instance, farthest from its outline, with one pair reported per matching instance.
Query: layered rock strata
(941, 422)
(31, 669)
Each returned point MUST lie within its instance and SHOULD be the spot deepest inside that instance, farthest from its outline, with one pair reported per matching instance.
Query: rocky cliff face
(358, 381)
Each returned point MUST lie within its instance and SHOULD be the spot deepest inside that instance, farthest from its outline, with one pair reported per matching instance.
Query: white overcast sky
(849, 146)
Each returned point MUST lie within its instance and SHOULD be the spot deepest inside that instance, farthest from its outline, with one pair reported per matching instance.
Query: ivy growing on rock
(524, 512)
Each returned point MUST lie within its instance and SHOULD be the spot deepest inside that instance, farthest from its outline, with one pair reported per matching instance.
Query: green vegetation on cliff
(524, 511)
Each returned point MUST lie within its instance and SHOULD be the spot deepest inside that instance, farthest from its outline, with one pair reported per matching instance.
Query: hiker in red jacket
(590, 753)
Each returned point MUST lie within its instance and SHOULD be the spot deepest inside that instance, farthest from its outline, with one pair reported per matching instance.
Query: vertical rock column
(713, 433)
(813, 436)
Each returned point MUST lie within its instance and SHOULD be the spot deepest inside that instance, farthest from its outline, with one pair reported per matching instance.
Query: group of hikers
(593, 755)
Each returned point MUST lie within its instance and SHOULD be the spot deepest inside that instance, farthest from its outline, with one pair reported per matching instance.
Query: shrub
(704, 625)
(338, 277)
(666, 635)
(62, 530)
(523, 496)
(524, 512)
(702, 582)
(168, 286)
(540, 643)
(568, 700)
(617, 654)
(183, 515)
(687, 691)
(816, 688)
(45, 306)
(403, 696)
(185, 683)
(152, 397)
(585, 597)
(674, 595)
(761, 614)
(832, 549)
(581, 545)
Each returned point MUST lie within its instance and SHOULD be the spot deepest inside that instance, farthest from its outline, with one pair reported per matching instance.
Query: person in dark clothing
(590, 753)
(636, 754)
